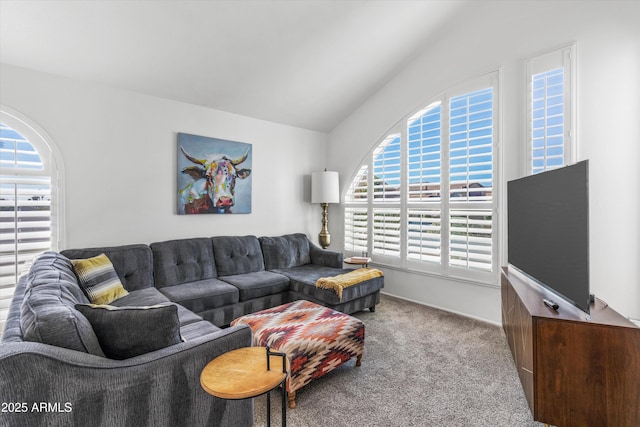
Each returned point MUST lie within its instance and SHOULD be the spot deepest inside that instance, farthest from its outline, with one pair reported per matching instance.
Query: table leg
(284, 402)
(268, 409)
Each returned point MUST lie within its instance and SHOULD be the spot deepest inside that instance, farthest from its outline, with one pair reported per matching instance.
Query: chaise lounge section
(303, 264)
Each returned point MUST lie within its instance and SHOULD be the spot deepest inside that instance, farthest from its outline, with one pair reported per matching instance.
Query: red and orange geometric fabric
(316, 339)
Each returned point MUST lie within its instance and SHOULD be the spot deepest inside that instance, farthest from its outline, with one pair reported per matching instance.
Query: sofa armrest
(56, 386)
(324, 257)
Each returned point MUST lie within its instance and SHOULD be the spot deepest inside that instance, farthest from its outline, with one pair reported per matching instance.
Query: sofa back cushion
(133, 263)
(291, 250)
(237, 255)
(182, 261)
(48, 313)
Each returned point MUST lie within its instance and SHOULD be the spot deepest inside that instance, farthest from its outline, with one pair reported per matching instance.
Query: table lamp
(324, 190)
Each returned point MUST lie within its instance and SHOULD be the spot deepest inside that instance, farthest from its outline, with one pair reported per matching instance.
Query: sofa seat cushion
(342, 281)
(203, 294)
(125, 332)
(143, 297)
(303, 281)
(186, 316)
(198, 329)
(152, 296)
(48, 313)
(258, 284)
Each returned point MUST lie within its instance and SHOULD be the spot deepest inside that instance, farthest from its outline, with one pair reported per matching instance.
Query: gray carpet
(421, 367)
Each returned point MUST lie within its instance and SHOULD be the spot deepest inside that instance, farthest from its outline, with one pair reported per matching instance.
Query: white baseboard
(442, 308)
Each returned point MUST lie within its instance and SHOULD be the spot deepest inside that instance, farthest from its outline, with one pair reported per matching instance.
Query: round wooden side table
(245, 373)
(363, 262)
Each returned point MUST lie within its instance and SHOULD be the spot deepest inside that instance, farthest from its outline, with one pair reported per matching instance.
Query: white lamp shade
(325, 187)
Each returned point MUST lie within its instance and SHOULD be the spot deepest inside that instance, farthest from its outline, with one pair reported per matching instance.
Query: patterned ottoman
(316, 339)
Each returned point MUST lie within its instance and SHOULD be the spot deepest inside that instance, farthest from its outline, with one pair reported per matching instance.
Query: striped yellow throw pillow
(99, 279)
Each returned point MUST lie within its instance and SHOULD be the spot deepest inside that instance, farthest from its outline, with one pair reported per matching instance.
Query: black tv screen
(548, 230)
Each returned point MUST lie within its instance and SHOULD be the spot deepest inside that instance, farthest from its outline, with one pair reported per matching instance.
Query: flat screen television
(548, 230)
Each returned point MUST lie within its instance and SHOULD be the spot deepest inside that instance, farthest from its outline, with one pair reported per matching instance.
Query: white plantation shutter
(424, 178)
(386, 170)
(470, 239)
(550, 110)
(386, 179)
(429, 204)
(471, 146)
(356, 225)
(424, 154)
(25, 210)
(547, 121)
(358, 190)
(424, 234)
(471, 180)
(25, 224)
(386, 232)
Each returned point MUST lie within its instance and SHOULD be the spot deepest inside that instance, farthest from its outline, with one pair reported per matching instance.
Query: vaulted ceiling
(305, 63)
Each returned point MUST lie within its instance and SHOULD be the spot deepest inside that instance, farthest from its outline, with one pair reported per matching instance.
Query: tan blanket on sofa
(341, 281)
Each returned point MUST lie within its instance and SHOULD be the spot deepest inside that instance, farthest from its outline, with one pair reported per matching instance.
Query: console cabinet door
(587, 374)
(518, 326)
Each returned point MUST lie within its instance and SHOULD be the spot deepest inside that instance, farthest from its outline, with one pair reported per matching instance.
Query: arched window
(30, 208)
(424, 197)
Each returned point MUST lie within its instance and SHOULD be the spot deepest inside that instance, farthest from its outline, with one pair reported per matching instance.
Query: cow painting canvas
(214, 175)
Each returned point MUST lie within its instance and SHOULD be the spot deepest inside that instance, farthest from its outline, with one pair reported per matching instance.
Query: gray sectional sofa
(52, 367)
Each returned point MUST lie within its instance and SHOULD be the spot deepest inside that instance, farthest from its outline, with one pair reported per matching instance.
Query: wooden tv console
(575, 372)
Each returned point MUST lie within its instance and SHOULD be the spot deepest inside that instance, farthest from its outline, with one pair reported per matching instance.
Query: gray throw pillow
(125, 332)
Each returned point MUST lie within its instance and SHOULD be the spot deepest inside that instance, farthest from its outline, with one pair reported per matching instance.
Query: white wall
(119, 152)
(500, 35)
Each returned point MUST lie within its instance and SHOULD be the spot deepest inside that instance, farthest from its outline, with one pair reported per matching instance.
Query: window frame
(444, 205)
(564, 57)
(52, 168)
